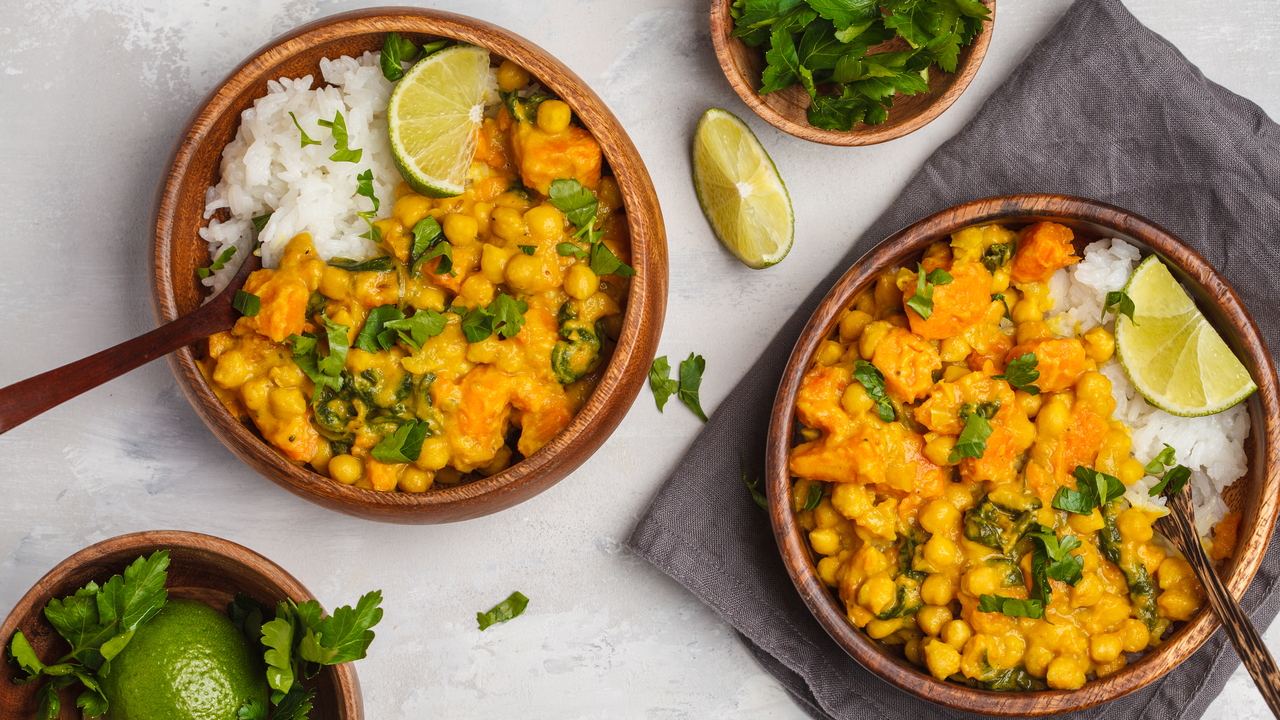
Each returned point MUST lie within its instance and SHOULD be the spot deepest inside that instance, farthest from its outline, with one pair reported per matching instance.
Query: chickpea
(288, 401)
(511, 76)
(878, 593)
(346, 469)
(954, 349)
(1104, 648)
(478, 289)
(960, 495)
(1032, 330)
(1099, 344)
(852, 325)
(1053, 418)
(609, 194)
(913, 651)
(827, 570)
(255, 393)
(888, 296)
(982, 581)
(554, 116)
(1000, 279)
(829, 352)
(529, 274)
(434, 455)
(508, 224)
(414, 480)
(1112, 667)
(897, 319)
(1037, 659)
(825, 541)
(852, 500)
(410, 209)
(1173, 571)
(855, 399)
(938, 450)
(287, 376)
(937, 590)
(231, 371)
(1134, 524)
(931, 618)
(546, 224)
(1065, 674)
(880, 629)
(493, 263)
(581, 282)
(942, 658)
(1094, 388)
(866, 302)
(1178, 605)
(1026, 310)
(460, 229)
(956, 633)
(335, 283)
(1131, 471)
(1134, 636)
(939, 516)
(941, 552)
(1086, 524)
(1030, 404)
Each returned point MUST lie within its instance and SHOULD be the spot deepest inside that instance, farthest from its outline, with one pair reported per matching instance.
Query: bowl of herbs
(846, 73)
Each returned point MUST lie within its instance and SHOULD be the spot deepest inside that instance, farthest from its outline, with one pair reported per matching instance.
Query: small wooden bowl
(1256, 495)
(201, 567)
(788, 109)
(178, 251)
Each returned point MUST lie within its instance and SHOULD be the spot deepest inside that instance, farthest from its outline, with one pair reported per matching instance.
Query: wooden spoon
(25, 399)
(1179, 526)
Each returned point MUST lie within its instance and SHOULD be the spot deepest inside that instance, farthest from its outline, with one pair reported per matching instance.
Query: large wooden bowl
(201, 567)
(1256, 495)
(788, 109)
(178, 251)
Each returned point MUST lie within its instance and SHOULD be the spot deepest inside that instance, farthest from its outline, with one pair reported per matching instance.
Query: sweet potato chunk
(956, 305)
(1042, 249)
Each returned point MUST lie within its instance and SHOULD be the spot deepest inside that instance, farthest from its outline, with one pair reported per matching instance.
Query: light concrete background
(92, 96)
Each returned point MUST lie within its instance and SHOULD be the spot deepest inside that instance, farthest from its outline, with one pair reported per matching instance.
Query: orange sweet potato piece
(1043, 248)
(1060, 361)
(956, 305)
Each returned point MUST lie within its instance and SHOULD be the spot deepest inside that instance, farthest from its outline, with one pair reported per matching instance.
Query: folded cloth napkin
(1102, 108)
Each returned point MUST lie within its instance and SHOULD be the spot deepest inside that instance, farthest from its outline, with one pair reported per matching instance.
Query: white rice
(265, 169)
(1212, 446)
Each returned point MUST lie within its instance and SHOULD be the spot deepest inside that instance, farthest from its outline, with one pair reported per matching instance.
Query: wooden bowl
(201, 567)
(788, 109)
(1256, 495)
(178, 251)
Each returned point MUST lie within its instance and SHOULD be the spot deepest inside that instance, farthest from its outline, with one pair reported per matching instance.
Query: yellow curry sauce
(913, 534)
(486, 403)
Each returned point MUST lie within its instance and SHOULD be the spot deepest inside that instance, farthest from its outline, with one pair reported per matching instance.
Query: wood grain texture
(788, 109)
(1256, 495)
(28, 398)
(201, 567)
(178, 250)
(1179, 526)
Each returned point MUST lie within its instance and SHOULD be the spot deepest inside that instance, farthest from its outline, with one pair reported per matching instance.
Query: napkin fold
(1101, 108)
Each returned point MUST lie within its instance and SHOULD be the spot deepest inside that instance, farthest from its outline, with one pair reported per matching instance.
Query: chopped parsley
(338, 126)
(364, 188)
(505, 315)
(1175, 479)
(402, 446)
(1118, 301)
(247, 303)
(660, 381)
(395, 51)
(580, 206)
(873, 381)
(415, 330)
(1093, 489)
(1167, 458)
(922, 301)
(568, 249)
(1020, 373)
(374, 336)
(306, 140)
(972, 442)
(528, 249)
(814, 498)
(217, 264)
(686, 388)
(753, 484)
(1012, 607)
(1051, 558)
(506, 610)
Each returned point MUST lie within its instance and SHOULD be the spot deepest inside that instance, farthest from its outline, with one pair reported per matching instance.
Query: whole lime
(187, 663)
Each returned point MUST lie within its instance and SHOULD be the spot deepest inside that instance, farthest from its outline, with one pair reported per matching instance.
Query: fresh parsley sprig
(217, 264)
(1051, 558)
(306, 139)
(753, 485)
(1166, 458)
(338, 127)
(1013, 607)
(922, 300)
(508, 609)
(580, 206)
(1020, 373)
(1093, 489)
(972, 442)
(505, 316)
(402, 446)
(686, 388)
(1118, 301)
(873, 381)
(247, 303)
(661, 383)
(323, 371)
(1175, 476)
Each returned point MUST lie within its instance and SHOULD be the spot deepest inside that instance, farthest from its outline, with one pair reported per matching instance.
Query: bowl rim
(862, 134)
(346, 682)
(1191, 268)
(643, 318)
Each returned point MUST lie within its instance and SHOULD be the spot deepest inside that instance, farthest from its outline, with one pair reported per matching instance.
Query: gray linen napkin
(1072, 119)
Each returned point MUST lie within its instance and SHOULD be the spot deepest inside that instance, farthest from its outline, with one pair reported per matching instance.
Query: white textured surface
(94, 93)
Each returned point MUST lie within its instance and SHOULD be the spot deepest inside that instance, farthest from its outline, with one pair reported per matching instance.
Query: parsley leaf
(396, 50)
(426, 235)
(528, 249)
(416, 330)
(660, 381)
(972, 442)
(444, 251)
(252, 709)
(1122, 304)
(338, 126)
(477, 325)
(508, 314)
(1167, 457)
(814, 498)
(753, 485)
(873, 380)
(580, 207)
(247, 303)
(306, 140)
(1093, 489)
(1174, 480)
(338, 345)
(1012, 607)
(506, 610)
(218, 264)
(690, 381)
(260, 221)
(345, 635)
(373, 336)
(783, 63)
(1052, 559)
(568, 249)
(21, 652)
(296, 705)
(578, 204)
(604, 262)
(402, 446)
(364, 187)
(922, 301)
(1020, 373)
(277, 636)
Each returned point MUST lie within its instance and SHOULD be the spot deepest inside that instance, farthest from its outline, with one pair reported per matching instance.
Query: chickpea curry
(965, 507)
(470, 343)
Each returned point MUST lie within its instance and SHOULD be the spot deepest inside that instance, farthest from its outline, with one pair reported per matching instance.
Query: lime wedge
(1171, 353)
(433, 116)
(740, 190)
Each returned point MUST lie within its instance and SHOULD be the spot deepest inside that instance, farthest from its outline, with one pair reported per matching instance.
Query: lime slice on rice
(1171, 353)
(433, 116)
(740, 190)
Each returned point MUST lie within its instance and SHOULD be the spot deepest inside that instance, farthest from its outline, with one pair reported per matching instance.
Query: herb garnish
(505, 315)
(374, 336)
(260, 221)
(528, 249)
(338, 345)
(580, 206)
(1167, 458)
(396, 50)
(1175, 479)
(1122, 304)
(1012, 607)
(972, 442)
(753, 484)
(814, 498)
(97, 622)
(429, 242)
(1051, 558)
(873, 380)
(1093, 489)
(660, 381)
(327, 371)
(567, 249)
(218, 264)
(306, 139)
(247, 303)
(822, 45)
(415, 330)
(506, 610)
(364, 186)
(1020, 373)
(402, 446)
(338, 126)
(1005, 301)
(922, 301)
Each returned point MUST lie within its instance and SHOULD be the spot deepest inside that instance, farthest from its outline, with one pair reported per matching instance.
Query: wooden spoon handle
(25, 399)
(1244, 636)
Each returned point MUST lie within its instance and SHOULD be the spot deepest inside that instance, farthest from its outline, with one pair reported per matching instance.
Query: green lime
(433, 116)
(740, 190)
(187, 663)
(1171, 353)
